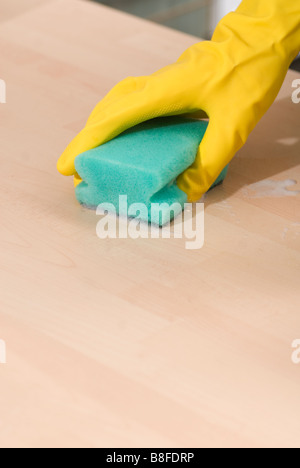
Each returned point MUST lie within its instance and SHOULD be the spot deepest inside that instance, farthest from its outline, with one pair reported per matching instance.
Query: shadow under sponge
(142, 163)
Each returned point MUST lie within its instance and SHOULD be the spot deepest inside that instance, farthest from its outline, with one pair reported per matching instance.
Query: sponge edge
(221, 178)
(142, 164)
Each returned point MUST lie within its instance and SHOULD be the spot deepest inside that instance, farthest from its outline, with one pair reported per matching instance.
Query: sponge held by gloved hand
(143, 164)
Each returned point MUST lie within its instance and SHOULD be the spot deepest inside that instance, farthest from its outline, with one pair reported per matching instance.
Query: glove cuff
(262, 25)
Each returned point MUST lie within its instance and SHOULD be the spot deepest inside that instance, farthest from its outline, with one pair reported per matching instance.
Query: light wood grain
(137, 343)
(9, 9)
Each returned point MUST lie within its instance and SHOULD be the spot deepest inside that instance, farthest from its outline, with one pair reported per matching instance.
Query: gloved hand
(233, 79)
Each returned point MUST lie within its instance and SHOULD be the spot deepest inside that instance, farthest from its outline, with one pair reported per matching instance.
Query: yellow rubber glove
(233, 79)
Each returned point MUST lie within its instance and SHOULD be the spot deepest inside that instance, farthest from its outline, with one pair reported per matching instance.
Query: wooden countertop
(123, 343)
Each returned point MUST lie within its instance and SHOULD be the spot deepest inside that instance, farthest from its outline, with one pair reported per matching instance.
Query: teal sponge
(143, 164)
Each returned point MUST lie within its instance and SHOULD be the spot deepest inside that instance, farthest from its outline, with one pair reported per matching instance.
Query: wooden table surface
(138, 343)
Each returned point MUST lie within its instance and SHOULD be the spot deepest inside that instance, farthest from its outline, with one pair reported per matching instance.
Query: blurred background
(196, 17)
